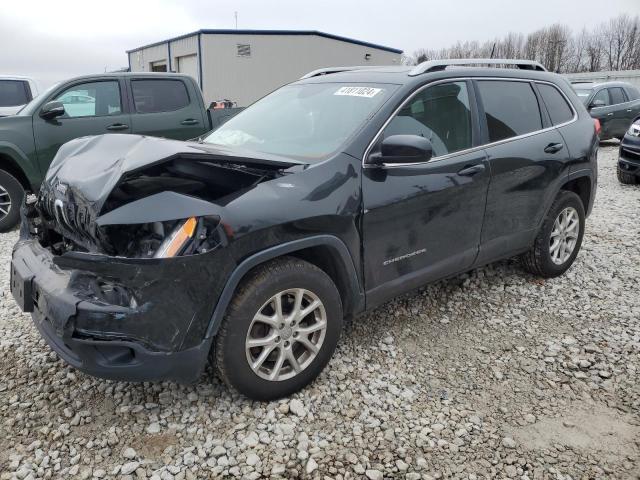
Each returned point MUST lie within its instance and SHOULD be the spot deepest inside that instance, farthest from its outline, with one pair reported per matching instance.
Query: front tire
(626, 178)
(558, 242)
(11, 196)
(280, 331)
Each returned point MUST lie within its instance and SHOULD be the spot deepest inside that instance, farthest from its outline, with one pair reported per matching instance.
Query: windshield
(306, 121)
(583, 93)
(29, 108)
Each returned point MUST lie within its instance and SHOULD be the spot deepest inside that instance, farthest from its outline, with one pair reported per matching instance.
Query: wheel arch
(9, 165)
(327, 252)
(580, 183)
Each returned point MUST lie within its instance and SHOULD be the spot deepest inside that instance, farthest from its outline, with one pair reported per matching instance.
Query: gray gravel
(492, 374)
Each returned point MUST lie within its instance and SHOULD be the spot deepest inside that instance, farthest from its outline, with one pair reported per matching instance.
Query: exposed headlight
(634, 129)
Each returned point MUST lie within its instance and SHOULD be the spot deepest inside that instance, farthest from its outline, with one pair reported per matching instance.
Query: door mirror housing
(403, 149)
(52, 110)
(597, 103)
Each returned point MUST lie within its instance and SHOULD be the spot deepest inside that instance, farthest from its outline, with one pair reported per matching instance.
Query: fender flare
(17, 160)
(334, 243)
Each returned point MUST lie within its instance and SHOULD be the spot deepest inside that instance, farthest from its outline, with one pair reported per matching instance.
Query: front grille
(629, 154)
(70, 216)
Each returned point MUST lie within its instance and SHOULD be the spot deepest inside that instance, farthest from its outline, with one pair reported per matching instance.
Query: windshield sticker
(366, 92)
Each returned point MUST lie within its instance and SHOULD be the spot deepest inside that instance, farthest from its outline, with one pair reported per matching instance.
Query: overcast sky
(54, 40)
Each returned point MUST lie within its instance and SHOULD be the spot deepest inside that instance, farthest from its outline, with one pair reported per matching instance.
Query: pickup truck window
(617, 95)
(306, 121)
(154, 96)
(441, 114)
(92, 99)
(511, 108)
(13, 93)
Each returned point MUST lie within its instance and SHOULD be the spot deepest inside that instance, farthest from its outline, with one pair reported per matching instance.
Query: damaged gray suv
(144, 258)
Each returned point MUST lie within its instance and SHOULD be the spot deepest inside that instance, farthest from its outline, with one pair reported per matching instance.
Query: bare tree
(614, 45)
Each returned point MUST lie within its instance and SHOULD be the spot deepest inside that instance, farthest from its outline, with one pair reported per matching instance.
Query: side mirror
(403, 149)
(52, 110)
(597, 103)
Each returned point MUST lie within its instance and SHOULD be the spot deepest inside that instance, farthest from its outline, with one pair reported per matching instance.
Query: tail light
(174, 243)
(597, 125)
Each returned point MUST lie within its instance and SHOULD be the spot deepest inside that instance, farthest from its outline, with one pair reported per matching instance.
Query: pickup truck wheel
(559, 240)
(280, 330)
(626, 178)
(11, 195)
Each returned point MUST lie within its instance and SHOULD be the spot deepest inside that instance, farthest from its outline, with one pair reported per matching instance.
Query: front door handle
(610, 114)
(189, 121)
(472, 170)
(553, 147)
(117, 126)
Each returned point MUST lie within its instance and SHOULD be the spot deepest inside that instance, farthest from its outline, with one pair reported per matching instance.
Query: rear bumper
(147, 331)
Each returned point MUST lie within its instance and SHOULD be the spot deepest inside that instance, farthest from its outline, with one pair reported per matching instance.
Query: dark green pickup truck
(157, 104)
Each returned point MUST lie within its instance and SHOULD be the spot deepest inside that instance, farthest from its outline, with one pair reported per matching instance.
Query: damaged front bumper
(121, 318)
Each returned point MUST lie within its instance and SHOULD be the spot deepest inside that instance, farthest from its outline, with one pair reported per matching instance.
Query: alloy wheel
(564, 235)
(286, 334)
(5, 202)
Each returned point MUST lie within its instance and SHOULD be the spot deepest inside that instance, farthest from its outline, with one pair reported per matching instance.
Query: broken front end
(121, 266)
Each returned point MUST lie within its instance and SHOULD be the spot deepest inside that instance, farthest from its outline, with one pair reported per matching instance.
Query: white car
(15, 93)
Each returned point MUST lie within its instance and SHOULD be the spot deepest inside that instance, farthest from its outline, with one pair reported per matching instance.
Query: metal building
(244, 65)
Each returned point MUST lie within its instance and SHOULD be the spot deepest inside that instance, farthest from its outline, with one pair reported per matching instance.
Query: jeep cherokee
(142, 258)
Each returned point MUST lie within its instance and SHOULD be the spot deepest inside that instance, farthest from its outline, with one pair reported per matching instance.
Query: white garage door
(189, 65)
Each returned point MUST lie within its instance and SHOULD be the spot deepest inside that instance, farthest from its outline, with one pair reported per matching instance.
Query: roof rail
(435, 65)
(329, 70)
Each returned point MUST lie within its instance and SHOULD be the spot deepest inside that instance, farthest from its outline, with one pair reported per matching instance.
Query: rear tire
(292, 312)
(626, 178)
(11, 197)
(559, 239)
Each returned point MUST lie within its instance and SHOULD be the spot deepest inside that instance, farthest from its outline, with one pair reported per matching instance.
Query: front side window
(557, 106)
(307, 121)
(601, 99)
(92, 99)
(13, 93)
(441, 114)
(153, 96)
(511, 108)
(617, 95)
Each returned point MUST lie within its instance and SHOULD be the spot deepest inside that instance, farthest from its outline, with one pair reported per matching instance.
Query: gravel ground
(492, 374)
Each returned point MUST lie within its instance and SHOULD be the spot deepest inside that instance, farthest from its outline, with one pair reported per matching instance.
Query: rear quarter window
(559, 109)
(511, 108)
(153, 96)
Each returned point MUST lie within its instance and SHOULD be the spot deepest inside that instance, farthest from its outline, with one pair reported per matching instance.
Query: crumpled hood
(92, 166)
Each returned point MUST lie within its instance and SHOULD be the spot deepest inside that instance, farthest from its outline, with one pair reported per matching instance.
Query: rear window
(511, 108)
(13, 93)
(633, 93)
(152, 96)
(557, 106)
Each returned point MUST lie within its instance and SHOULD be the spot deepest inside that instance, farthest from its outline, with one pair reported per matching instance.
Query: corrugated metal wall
(631, 76)
(275, 60)
(140, 60)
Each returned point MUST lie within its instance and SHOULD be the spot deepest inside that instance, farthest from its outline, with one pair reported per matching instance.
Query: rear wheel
(11, 196)
(626, 178)
(280, 330)
(559, 239)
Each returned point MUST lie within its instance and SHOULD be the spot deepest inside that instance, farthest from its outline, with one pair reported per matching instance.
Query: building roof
(270, 32)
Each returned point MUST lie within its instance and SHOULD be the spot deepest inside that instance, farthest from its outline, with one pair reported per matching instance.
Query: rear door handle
(610, 114)
(189, 121)
(553, 147)
(118, 126)
(472, 170)
(629, 110)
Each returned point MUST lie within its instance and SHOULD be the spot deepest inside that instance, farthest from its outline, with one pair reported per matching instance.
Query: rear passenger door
(527, 160)
(622, 113)
(164, 107)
